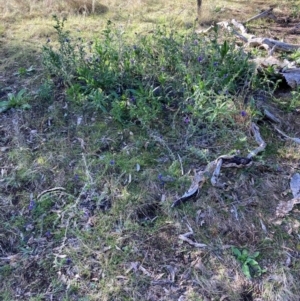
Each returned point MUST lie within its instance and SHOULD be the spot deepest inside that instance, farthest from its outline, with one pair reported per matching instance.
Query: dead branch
(268, 44)
(271, 43)
(226, 26)
(240, 26)
(264, 14)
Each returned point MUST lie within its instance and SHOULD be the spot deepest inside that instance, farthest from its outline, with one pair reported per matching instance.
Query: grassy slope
(107, 232)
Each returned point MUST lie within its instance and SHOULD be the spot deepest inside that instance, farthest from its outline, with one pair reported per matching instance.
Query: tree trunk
(199, 3)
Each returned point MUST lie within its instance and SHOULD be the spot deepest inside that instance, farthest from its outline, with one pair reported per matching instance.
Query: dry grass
(32, 8)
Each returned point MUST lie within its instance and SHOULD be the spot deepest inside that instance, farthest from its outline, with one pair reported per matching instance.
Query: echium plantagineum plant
(140, 78)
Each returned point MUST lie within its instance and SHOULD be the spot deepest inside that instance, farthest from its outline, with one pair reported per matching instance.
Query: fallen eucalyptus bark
(213, 168)
(185, 237)
(285, 69)
(269, 44)
(296, 140)
(243, 36)
(264, 14)
(292, 77)
(271, 116)
(284, 207)
(272, 61)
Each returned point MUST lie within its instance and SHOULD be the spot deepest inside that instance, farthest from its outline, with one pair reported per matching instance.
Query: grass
(106, 115)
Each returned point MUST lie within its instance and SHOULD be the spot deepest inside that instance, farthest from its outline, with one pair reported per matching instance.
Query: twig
(261, 15)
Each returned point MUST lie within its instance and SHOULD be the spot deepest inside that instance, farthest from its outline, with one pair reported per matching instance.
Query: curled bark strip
(284, 207)
(297, 140)
(262, 144)
(214, 179)
(213, 168)
(192, 243)
(185, 237)
(240, 26)
(271, 116)
(226, 26)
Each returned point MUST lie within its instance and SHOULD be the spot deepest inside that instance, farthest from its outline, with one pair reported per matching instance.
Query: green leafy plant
(295, 56)
(250, 266)
(145, 78)
(19, 100)
(295, 101)
(292, 103)
(25, 71)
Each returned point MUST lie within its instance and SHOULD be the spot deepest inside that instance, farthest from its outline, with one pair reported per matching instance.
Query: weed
(44, 92)
(295, 101)
(250, 266)
(25, 71)
(5, 271)
(295, 56)
(295, 9)
(19, 100)
(141, 80)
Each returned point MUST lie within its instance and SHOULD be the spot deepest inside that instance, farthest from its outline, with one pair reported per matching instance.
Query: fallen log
(269, 44)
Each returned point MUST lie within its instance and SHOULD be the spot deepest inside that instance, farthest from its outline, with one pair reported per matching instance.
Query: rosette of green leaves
(250, 266)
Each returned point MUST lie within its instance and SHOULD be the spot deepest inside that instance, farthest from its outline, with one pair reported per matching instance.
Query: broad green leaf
(252, 262)
(245, 252)
(3, 104)
(26, 106)
(263, 270)
(236, 252)
(246, 271)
